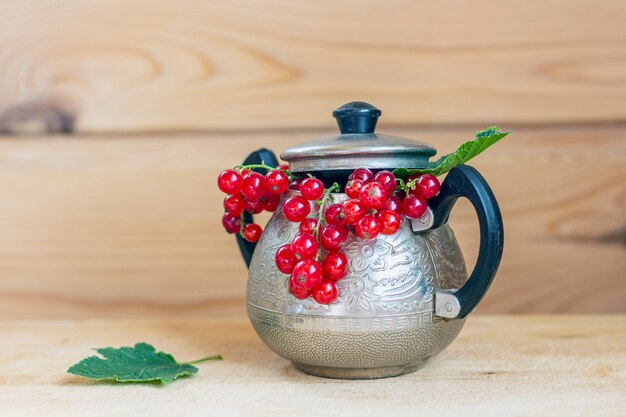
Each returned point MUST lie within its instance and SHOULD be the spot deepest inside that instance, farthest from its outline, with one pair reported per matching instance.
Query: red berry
(334, 214)
(390, 222)
(254, 206)
(326, 292)
(368, 227)
(387, 180)
(295, 184)
(231, 223)
(296, 209)
(393, 203)
(252, 232)
(308, 226)
(362, 174)
(246, 172)
(353, 188)
(284, 167)
(234, 204)
(427, 186)
(413, 177)
(270, 202)
(298, 290)
(254, 186)
(335, 266)
(413, 207)
(333, 237)
(304, 246)
(353, 210)
(276, 181)
(307, 273)
(230, 182)
(285, 261)
(312, 189)
(373, 196)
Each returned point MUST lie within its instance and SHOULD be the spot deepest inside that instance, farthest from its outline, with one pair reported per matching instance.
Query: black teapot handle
(465, 181)
(257, 157)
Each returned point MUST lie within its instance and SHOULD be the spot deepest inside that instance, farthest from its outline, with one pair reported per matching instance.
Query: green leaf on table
(140, 363)
(465, 152)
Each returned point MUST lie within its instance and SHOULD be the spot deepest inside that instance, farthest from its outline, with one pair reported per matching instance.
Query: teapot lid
(358, 146)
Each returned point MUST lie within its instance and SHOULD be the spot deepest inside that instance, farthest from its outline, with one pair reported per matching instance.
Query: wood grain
(104, 66)
(130, 226)
(515, 366)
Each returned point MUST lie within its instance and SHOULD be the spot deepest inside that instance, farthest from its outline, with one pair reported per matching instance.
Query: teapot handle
(465, 181)
(256, 157)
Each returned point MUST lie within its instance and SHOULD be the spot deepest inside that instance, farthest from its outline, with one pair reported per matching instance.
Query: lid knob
(357, 117)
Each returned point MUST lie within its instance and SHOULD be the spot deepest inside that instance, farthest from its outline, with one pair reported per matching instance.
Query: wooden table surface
(498, 366)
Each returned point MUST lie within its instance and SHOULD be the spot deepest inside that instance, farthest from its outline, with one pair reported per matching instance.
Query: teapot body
(385, 320)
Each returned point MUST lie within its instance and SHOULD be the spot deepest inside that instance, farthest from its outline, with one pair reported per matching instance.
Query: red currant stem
(242, 223)
(321, 203)
(402, 186)
(263, 165)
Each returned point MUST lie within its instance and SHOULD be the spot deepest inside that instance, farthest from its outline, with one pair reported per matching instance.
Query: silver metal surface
(446, 305)
(384, 321)
(424, 223)
(351, 151)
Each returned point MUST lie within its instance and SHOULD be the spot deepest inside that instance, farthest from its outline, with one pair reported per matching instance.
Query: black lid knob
(357, 117)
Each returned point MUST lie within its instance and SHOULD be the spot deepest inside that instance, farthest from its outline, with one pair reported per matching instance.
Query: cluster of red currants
(375, 205)
(314, 258)
(250, 191)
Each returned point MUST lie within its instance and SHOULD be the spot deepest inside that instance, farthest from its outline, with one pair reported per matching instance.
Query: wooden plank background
(239, 64)
(120, 217)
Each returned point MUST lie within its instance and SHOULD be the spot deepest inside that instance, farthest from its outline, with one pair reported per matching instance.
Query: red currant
(304, 246)
(387, 180)
(252, 232)
(230, 182)
(285, 261)
(308, 273)
(428, 186)
(254, 206)
(333, 237)
(295, 184)
(231, 223)
(298, 290)
(413, 207)
(353, 188)
(276, 181)
(362, 174)
(234, 204)
(335, 266)
(390, 222)
(413, 177)
(326, 292)
(373, 196)
(270, 202)
(368, 227)
(353, 211)
(312, 189)
(393, 203)
(254, 186)
(284, 167)
(308, 226)
(334, 214)
(296, 209)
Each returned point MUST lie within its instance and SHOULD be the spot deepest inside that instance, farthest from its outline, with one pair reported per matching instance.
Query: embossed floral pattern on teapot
(405, 296)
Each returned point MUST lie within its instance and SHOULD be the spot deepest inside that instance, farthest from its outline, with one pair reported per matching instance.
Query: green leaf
(141, 363)
(465, 152)
(402, 173)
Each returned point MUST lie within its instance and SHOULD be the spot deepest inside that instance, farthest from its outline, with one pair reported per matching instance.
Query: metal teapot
(407, 295)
